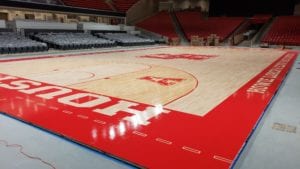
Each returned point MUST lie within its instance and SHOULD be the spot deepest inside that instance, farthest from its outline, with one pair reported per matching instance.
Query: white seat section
(157, 39)
(69, 40)
(126, 39)
(13, 43)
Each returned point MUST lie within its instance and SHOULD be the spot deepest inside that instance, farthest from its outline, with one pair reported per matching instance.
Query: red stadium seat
(161, 23)
(193, 24)
(284, 31)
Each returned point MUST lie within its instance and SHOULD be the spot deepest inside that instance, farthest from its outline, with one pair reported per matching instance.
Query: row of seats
(67, 41)
(92, 4)
(189, 28)
(285, 30)
(125, 39)
(161, 23)
(14, 43)
(193, 24)
(157, 39)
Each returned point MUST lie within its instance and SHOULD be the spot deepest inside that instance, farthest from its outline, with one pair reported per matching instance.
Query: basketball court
(162, 107)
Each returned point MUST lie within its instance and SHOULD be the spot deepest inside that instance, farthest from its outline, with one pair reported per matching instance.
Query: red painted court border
(263, 113)
(173, 140)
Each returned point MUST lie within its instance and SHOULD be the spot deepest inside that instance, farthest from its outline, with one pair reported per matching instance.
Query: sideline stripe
(191, 150)
(226, 160)
(163, 141)
(140, 134)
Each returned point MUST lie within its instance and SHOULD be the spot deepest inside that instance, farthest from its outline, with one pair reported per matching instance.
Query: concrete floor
(275, 144)
(32, 148)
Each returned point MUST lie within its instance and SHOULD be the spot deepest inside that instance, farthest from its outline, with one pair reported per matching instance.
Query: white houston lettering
(49, 95)
(139, 117)
(69, 100)
(20, 84)
(86, 100)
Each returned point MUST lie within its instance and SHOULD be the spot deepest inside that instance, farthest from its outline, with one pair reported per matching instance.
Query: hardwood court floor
(166, 107)
(201, 84)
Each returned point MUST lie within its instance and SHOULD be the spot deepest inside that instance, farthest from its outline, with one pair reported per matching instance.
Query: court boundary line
(76, 54)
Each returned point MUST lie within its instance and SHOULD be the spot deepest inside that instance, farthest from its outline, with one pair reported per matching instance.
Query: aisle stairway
(256, 40)
(178, 29)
